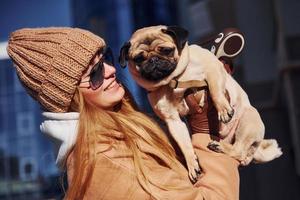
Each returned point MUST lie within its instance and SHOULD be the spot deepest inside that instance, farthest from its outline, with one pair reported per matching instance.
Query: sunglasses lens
(108, 56)
(97, 73)
(96, 76)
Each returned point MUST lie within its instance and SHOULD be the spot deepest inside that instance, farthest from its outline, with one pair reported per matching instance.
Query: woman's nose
(109, 70)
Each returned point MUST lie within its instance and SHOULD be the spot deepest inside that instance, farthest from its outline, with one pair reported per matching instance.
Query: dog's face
(153, 52)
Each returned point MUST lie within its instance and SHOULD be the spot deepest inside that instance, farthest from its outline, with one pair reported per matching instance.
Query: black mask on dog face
(156, 68)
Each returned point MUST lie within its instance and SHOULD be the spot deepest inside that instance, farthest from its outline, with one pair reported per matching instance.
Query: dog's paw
(225, 111)
(246, 161)
(225, 115)
(215, 146)
(194, 168)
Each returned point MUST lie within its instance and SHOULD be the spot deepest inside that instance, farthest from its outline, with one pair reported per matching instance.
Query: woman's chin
(114, 96)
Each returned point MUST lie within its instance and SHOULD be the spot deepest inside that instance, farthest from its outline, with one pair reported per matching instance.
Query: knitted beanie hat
(50, 62)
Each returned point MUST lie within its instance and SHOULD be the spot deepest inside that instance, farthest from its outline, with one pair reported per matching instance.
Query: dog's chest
(166, 102)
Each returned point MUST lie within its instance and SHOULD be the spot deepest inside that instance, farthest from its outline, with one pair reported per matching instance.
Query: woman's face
(109, 93)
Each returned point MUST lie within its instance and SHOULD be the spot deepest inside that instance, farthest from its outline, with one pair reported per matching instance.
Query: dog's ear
(179, 35)
(123, 57)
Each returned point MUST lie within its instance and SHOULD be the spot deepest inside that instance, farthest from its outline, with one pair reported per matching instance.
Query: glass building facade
(26, 156)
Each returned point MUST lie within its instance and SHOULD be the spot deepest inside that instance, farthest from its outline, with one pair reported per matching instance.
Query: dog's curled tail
(267, 150)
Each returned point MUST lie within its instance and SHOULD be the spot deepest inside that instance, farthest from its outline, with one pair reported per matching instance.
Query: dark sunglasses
(97, 73)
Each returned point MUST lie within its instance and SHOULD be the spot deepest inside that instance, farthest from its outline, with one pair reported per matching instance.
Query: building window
(28, 169)
(26, 146)
(25, 123)
(3, 82)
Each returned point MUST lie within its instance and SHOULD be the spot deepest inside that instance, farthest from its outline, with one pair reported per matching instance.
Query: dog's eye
(139, 58)
(167, 51)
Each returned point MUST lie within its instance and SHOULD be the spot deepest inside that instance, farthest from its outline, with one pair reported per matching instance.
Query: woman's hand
(203, 117)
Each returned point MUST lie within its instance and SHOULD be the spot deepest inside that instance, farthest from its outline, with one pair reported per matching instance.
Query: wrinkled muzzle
(157, 68)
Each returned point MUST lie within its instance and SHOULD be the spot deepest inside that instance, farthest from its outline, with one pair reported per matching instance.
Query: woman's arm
(220, 172)
(114, 176)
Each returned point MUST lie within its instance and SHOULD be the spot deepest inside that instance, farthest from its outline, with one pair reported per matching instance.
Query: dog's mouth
(157, 68)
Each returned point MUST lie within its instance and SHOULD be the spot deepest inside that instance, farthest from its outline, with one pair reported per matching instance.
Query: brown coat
(114, 177)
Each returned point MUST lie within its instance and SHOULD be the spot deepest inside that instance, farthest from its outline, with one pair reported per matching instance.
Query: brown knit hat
(50, 62)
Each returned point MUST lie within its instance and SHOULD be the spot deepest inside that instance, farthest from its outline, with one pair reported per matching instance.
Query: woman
(119, 152)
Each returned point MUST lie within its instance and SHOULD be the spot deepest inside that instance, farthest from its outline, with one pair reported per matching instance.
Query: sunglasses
(97, 73)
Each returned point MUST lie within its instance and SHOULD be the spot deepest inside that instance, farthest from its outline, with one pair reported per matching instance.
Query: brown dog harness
(187, 84)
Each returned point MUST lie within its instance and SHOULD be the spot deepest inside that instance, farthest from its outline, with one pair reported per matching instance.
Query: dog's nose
(153, 59)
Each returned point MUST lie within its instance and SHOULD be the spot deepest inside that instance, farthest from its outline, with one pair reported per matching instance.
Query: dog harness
(187, 84)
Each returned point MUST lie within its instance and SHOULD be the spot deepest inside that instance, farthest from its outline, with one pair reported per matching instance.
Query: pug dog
(160, 55)
(161, 61)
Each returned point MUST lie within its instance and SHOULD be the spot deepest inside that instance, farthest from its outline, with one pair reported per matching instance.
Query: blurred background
(268, 69)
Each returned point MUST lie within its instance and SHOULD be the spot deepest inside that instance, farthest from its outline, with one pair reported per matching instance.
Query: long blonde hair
(95, 126)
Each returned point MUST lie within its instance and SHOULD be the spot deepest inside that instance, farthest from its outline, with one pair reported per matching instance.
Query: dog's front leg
(181, 135)
(164, 104)
(215, 76)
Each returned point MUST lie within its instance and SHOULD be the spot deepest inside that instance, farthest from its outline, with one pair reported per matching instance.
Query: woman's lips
(113, 84)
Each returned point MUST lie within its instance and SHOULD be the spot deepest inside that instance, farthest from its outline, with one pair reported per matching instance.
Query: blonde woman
(110, 150)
